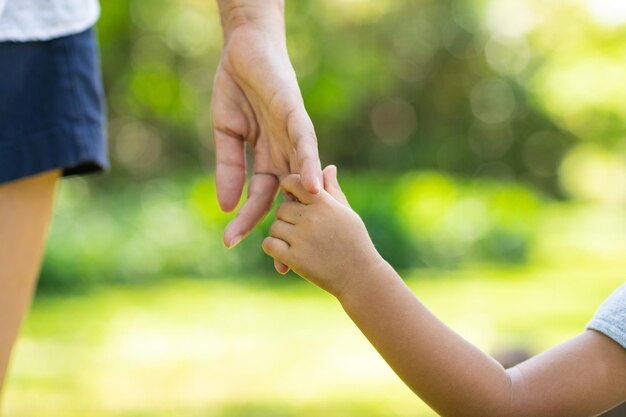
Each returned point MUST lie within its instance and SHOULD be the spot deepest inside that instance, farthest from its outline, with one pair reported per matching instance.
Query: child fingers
(282, 230)
(280, 267)
(332, 185)
(276, 248)
(289, 211)
(293, 184)
(288, 196)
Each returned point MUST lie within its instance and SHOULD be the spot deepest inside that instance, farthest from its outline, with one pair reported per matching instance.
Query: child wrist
(363, 280)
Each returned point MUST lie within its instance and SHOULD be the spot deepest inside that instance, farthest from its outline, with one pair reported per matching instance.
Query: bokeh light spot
(608, 12)
(393, 120)
(506, 56)
(510, 18)
(591, 173)
(492, 100)
(137, 147)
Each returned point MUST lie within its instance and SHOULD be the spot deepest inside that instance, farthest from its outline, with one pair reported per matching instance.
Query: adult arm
(257, 101)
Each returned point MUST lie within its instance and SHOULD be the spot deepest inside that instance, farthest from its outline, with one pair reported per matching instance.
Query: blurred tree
(462, 86)
(506, 91)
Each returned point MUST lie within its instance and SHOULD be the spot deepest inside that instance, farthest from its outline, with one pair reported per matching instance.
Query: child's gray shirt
(610, 319)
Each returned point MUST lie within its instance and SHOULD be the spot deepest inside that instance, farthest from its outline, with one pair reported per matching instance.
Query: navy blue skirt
(51, 107)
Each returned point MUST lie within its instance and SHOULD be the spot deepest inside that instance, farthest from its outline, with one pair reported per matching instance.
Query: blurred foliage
(468, 133)
(498, 88)
(525, 97)
(224, 348)
(174, 226)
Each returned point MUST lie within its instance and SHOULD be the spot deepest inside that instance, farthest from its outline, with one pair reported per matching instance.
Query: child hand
(320, 237)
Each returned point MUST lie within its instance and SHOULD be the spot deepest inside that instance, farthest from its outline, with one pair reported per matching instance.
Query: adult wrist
(267, 16)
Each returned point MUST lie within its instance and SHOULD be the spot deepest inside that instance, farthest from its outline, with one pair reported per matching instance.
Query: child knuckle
(279, 213)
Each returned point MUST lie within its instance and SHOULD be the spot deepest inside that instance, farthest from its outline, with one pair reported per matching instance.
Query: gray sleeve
(610, 319)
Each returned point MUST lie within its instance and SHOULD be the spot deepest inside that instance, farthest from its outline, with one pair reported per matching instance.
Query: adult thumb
(302, 135)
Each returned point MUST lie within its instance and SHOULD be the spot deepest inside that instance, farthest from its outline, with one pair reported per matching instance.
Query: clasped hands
(257, 102)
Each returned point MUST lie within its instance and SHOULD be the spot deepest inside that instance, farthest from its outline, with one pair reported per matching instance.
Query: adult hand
(257, 101)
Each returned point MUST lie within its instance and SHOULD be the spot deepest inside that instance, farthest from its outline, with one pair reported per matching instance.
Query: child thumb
(331, 185)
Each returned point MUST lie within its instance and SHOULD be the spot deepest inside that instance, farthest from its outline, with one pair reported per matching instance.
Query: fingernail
(316, 186)
(234, 241)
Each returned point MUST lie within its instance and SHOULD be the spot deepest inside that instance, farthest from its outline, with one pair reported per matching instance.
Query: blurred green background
(482, 141)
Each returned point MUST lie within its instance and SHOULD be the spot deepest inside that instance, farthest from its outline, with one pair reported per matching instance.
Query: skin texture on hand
(324, 241)
(320, 237)
(257, 102)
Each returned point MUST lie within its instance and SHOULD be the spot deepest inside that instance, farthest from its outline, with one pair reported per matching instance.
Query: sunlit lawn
(231, 347)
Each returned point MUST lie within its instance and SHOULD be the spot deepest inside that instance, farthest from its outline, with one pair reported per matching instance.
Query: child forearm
(582, 377)
(448, 373)
(323, 240)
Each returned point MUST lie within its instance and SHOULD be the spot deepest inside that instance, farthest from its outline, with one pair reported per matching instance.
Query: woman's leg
(25, 211)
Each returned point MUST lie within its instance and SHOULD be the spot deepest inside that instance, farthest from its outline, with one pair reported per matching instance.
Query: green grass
(230, 347)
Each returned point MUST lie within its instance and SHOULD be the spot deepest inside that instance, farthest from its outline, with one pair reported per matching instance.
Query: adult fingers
(289, 211)
(230, 171)
(331, 185)
(276, 248)
(303, 139)
(261, 195)
(293, 184)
